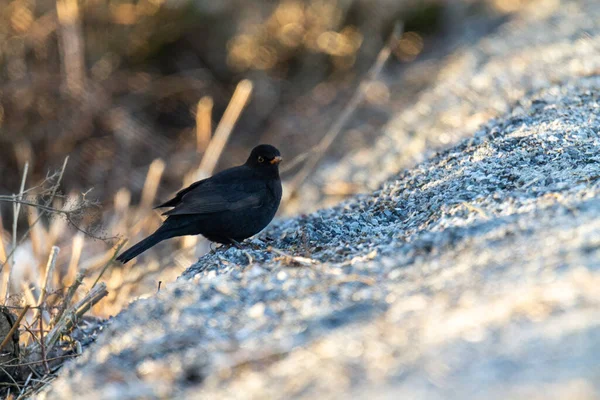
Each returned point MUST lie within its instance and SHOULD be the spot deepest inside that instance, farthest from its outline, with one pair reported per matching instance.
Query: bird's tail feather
(144, 245)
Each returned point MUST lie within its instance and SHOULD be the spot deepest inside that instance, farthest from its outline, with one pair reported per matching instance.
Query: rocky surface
(473, 274)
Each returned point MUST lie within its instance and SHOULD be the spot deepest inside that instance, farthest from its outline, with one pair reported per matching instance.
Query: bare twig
(137, 275)
(50, 266)
(69, 213)
(43, 344)
(76, 250)
(14, 382)
(478, 210)
(23, 364)
(25, 385)
(73, 224)
(155, 171)
(109, 262)
(336, 128)
(305, 261)
(28, 294)
(14, 327)
(71, 317)
(357, 278)
(299, 159)
(213, 147)
(38, 236)
(53, 192)
(67, 299)
(2, 249)
(54, 210)
(219, 140)
(90, 300)
(19, 198)
(16, 211)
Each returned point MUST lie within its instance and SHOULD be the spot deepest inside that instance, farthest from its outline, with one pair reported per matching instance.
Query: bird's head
(264, 156)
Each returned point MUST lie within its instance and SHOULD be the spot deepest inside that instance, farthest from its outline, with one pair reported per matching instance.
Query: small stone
(257, 310)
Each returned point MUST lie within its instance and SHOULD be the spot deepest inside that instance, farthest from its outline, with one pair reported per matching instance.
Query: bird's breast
(275, 191)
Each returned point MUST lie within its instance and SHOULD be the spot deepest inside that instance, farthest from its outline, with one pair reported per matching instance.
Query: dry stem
(68, 297)
(14, 327)
(69, 319)
(16, 211)
(319, 151)
(109, 262)
(50, 266)
(305, 261)
(219, 140)
(203, 123)
(53, 192)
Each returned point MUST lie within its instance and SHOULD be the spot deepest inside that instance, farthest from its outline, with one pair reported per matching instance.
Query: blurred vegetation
(115, 84)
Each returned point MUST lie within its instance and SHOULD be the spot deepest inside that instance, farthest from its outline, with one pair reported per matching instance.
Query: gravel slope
(477, 271)
(474, 274)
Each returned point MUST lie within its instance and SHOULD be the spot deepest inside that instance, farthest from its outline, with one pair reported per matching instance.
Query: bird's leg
(235, 243)
(239, 246)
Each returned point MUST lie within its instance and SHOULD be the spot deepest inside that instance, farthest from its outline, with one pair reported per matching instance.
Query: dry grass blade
(109, 262)
(16, 210)
(53, 192)
(76, 250)
(50, 266)
(70, 318)
(95, 294)
(305, 261)
(38, 235)
(23, 364)
(28, 293)
(143, 219)
(14, 382)
(219, 140)
(25, 385)
(203, 123)
(2, 248)
(68, 297)
(299, 159)
(155, 171)
(72, 53)
(43, 344)
(214, 147)
(321, 149)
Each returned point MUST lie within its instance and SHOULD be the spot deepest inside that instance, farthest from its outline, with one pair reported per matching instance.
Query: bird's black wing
(213, 198)
(228, 175)
(177, 199)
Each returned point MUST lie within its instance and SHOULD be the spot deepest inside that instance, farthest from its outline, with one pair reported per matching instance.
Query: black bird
(226, 208)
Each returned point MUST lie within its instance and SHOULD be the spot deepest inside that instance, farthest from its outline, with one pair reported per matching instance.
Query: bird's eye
(261, 159)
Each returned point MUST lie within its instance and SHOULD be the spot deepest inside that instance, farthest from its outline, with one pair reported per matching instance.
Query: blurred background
(135, 92)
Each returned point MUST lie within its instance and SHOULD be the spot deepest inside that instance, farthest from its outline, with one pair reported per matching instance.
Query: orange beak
(276, 160)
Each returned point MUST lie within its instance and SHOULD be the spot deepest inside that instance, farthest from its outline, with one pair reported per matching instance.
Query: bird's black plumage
(226, 208)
